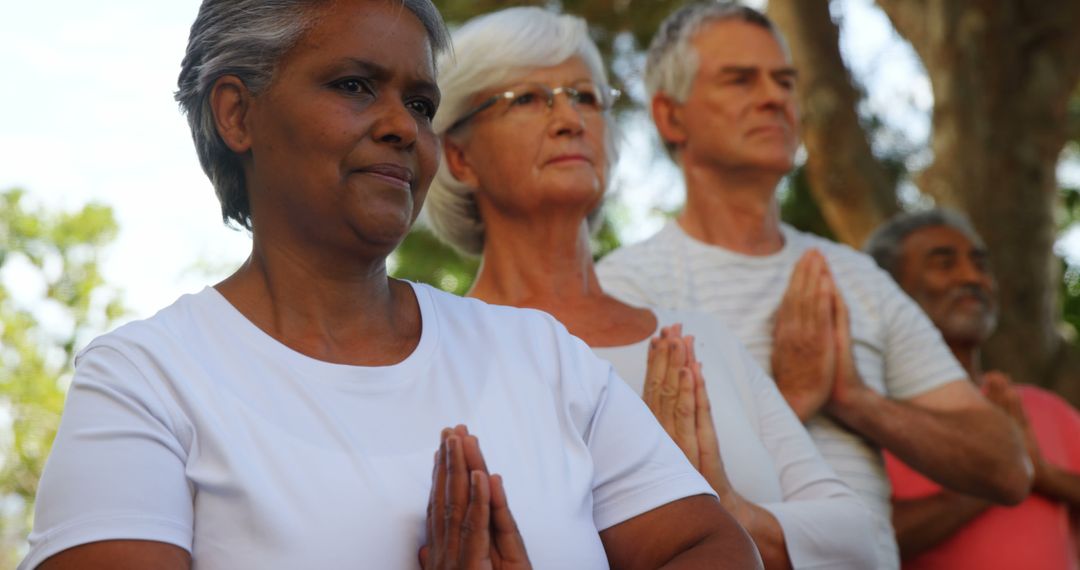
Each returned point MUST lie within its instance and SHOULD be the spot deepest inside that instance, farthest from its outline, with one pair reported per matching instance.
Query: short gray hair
(672, 63)
(247, 38)
(489, 52)
(885, 244)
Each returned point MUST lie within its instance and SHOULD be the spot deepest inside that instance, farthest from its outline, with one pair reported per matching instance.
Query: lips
(390, 172)
(569, 158)
(775, 129)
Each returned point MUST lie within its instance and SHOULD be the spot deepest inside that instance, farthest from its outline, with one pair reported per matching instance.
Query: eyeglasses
(537, 99)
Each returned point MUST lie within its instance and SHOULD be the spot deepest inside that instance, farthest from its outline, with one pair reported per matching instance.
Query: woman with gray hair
(290, 416)
(528, 143)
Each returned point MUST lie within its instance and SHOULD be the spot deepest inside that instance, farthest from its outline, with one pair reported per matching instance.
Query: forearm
(922, 524)
(718, 550)
(1058, 484)
(695, 532)
(977, 451)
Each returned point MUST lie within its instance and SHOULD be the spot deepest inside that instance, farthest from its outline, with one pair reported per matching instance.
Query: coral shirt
(1035, 534)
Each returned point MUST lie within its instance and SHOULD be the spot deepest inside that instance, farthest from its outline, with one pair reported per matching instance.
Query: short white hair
(672, 62)
(489, 52)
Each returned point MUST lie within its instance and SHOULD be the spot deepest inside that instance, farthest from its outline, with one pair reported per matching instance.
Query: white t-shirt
(196, 428)
(769, 458)
(898, 351)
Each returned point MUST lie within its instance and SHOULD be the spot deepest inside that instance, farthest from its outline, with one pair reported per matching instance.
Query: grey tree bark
(850, 186)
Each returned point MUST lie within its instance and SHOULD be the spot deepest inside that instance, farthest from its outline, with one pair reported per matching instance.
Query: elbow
(1010, 476)
(1013, 482)
(1019, 485)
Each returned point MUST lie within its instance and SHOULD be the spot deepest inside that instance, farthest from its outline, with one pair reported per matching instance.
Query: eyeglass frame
(608, 96)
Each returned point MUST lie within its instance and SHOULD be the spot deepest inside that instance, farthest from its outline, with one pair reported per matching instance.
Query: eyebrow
(382, 73)
(748, 69)
(941, 250)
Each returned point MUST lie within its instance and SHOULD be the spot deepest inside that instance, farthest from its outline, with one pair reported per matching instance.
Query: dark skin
(338, 153)
(949, 276)
(325, 206)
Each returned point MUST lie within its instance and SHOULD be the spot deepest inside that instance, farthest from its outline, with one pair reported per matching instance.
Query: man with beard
(940, 261)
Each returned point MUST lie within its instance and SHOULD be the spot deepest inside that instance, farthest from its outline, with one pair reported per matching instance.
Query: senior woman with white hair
(528, 143)
(289, 416)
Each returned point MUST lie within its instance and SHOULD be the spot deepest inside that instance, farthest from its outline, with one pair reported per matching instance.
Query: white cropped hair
(492, 51)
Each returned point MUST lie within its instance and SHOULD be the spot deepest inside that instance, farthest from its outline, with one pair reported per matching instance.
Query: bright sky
(86, 113)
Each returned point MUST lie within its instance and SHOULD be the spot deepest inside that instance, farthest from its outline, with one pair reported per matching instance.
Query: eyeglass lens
(586, 97)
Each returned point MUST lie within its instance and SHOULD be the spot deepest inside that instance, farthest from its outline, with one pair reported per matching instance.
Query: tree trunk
(850, 186)
(1002, 72)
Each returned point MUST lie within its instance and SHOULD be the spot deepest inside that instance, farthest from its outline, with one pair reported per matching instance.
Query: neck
(736, 210)
(311, 301)
(968, 354)
(536, 261)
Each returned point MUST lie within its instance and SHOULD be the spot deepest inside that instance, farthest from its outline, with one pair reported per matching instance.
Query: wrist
(738, 508)
(804, 405)
(857, 406)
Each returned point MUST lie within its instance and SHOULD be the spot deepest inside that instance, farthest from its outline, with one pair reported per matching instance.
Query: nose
(396, 125)
(971, 272)
(565, 119)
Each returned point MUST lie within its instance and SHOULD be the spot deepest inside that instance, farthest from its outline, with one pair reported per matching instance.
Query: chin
(780, 162)
(385, 231)
(583, 189)
(969, 328)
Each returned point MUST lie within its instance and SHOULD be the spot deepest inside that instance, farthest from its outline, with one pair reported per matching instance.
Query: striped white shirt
(898, 351)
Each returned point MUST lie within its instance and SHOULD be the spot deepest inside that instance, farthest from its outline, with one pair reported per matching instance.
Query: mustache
(957, 293)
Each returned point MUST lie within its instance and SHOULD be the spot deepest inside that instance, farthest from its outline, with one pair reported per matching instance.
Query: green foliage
(606, 239)
(422, 257)
(60, 251)
(1070, 283)
(798, 208)
(1070, 296)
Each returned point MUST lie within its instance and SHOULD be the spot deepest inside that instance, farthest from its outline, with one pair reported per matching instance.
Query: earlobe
(230, 102)
(668, 116)
(458, 163)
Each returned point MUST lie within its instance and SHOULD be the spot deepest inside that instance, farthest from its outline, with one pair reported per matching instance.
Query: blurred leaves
(422, 257)
(55, 257)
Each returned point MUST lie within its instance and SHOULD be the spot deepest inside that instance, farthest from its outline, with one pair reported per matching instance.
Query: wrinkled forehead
(938, 239)
(733, 41)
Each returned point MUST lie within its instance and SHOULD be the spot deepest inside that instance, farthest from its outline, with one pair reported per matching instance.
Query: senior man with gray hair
(854, 357)
(940, 261)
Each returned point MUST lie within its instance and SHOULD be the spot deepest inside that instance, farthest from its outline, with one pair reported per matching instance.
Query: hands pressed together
(1052, 481)
(469, 523)
(675, 392)
(812, 359)
(999, 389)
